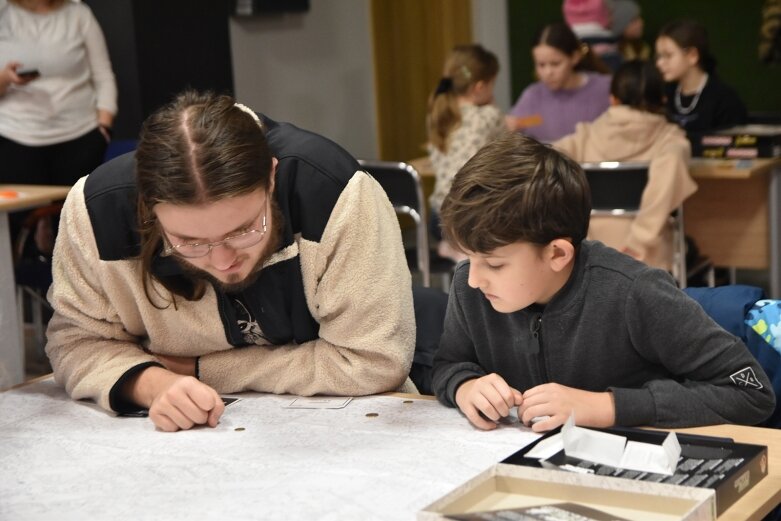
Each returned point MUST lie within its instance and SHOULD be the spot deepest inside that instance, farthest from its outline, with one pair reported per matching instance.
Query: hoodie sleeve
(572, 145)
(669, 184)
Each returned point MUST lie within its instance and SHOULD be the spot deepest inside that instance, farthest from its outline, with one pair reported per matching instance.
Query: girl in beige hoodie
(634, 128)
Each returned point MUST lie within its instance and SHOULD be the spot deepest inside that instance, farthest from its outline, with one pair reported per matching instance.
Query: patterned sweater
(479, 125)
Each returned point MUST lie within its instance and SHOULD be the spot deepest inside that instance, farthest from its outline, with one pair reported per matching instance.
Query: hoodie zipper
(535, 327)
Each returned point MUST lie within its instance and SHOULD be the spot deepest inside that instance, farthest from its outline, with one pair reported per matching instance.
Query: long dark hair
(690, 34)
(639, 84)
(559, 36)
(198, 149)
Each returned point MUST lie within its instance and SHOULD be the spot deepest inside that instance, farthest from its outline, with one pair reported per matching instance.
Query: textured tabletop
(61, 459)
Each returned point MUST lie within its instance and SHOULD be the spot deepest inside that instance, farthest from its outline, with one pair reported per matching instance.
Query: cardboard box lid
(512, 486)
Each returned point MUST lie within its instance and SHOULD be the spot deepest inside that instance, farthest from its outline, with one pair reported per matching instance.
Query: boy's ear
(561, 253)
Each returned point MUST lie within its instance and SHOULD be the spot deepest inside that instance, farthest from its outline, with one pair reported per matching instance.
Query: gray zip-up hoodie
(616, 325)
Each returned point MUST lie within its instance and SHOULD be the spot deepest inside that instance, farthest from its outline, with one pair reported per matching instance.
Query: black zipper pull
(534, 328)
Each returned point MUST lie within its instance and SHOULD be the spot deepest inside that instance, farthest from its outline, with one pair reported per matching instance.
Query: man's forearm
(142, 388)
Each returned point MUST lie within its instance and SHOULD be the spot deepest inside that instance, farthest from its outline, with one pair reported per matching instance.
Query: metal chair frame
(617, 191)
(401, 183)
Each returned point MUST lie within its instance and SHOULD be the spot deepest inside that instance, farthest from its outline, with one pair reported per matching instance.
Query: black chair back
(400, 181)
(616, 187)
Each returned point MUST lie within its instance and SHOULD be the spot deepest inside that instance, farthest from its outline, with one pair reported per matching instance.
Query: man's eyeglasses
(194, 250)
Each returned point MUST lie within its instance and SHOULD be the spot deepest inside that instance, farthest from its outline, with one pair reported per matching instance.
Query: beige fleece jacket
(626, 134)
(357, 287)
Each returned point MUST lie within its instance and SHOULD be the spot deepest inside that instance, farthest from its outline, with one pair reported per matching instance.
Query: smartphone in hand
(28, 74)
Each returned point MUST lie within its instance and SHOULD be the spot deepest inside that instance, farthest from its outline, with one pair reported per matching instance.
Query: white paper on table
(547, 447)
(647, 457)
(614, 450)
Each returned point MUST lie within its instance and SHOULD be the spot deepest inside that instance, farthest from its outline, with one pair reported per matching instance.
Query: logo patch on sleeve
(746, 378)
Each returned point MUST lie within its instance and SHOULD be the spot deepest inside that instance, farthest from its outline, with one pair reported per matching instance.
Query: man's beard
(270, 246)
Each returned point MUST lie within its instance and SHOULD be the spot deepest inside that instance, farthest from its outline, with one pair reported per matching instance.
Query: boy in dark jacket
(542, 320)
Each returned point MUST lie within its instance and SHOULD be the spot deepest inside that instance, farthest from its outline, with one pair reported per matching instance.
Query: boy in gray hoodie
(542, 320)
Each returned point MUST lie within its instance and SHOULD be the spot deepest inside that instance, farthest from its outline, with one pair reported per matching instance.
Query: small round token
(239, 429)
(371, 414)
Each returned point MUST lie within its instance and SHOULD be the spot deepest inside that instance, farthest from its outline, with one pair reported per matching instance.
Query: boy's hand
(558, 402)
(486, 400)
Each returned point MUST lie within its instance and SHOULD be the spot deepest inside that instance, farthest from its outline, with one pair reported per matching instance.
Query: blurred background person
(56, 120)
(697, 99)
(570, 89)
(592, 21)
(461, 119)
(635, 128)
(627, 25)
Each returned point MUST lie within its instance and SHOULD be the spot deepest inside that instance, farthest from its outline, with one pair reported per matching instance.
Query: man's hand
(486, 400)
(175, 401)
(184, 365)
(558, 402)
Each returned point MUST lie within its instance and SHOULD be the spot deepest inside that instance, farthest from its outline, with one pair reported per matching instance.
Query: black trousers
(58, 164)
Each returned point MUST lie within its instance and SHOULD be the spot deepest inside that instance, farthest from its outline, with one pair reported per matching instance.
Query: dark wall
(158, 48)
(733, 29)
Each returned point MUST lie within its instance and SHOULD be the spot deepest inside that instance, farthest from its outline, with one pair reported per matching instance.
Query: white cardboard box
(513, 486)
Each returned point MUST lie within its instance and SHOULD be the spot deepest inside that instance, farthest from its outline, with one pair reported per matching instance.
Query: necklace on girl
(686, 110)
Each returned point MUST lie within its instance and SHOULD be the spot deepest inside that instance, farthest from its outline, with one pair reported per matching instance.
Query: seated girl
(696, 98)
(461, 119)
(634, 128)
(569, 89)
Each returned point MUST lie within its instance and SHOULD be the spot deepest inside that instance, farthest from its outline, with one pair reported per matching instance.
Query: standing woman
(569, 89)
(55, 123)
(696, 98)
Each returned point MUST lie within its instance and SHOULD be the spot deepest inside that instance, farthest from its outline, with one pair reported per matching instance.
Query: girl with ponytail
(461, 119)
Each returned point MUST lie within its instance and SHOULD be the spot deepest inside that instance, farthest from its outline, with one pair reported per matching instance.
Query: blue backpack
(744, 312)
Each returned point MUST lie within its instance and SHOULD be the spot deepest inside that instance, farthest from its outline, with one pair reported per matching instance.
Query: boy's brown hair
(516, 189)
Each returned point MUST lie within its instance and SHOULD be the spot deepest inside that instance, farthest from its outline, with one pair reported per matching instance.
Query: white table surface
(61, 459)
